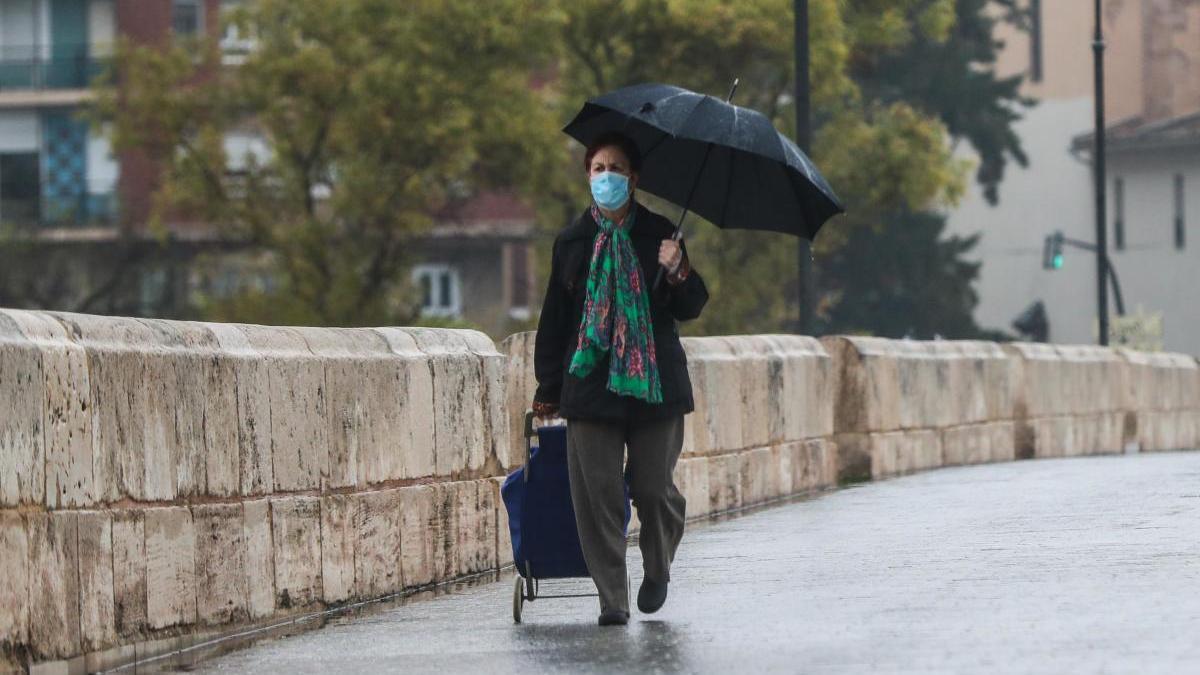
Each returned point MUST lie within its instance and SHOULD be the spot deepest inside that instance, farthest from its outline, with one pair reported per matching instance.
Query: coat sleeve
(688, 297)
(553, 336)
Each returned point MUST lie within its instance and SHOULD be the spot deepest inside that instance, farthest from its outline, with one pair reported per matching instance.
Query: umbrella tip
(732, 89)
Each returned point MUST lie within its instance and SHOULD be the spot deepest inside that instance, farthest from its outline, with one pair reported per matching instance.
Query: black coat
(562, 311)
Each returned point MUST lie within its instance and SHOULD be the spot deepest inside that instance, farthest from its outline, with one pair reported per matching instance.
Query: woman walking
(608, 359)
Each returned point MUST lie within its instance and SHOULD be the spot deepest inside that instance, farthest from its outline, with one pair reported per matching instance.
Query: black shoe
(651, 596)
(614, 617)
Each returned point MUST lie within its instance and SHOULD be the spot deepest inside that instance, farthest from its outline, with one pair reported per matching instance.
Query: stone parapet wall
(904, 405)
(167, 483)
(163, 482)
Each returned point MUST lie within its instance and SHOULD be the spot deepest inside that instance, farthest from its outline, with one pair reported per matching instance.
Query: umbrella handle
(662, 271)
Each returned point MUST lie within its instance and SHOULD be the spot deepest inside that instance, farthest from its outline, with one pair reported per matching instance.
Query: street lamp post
(806, 292)
(1101, 182)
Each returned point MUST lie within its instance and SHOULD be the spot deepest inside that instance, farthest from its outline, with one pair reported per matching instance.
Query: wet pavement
(1077, 565)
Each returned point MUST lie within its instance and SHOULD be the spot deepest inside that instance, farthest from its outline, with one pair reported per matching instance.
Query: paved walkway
(1051, 566)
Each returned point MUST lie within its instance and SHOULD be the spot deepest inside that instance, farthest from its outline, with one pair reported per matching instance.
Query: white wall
(1154, 274)
(1053, 193)
(1056, 193)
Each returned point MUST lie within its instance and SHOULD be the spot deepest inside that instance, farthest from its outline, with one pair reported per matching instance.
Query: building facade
(1152, 90)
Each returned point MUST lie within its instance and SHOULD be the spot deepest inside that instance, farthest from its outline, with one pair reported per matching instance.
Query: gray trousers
(596, 458)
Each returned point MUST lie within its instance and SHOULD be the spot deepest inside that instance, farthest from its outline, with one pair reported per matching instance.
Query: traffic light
(1052, 251)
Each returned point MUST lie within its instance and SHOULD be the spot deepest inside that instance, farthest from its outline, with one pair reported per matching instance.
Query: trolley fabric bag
(541, 517)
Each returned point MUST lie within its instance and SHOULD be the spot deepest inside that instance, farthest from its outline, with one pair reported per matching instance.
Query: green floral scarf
(616, 315)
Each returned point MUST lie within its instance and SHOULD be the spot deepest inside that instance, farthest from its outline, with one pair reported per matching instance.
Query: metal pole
(1101, 182)
(807, 278)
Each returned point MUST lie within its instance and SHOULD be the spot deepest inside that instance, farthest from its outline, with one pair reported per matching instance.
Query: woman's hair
(619, 141)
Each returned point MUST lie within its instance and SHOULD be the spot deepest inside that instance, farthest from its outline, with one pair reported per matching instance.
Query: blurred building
(75, 214)
(1152, 67)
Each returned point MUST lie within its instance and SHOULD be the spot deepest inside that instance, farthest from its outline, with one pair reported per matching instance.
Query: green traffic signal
(1058, 261)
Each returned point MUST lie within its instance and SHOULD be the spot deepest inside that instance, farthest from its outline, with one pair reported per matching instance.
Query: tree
(905, 278)
(373, 118)
(953, 79)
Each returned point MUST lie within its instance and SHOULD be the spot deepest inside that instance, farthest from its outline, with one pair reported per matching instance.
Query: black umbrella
(724, 162)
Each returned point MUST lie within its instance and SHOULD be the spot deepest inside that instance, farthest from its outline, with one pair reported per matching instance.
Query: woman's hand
(670, 254)
(544, 411)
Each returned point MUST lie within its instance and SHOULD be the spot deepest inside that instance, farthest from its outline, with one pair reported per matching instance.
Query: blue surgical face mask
(610, 190)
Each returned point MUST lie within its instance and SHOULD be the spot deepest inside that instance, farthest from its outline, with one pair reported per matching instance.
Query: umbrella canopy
(721, 161)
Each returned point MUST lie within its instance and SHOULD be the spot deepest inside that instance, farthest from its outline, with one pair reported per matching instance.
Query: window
(236, 44)
(1180, 225)
(20, 188)
(1035, 40)
(440, 290)
(1119, 215)
(187, 17)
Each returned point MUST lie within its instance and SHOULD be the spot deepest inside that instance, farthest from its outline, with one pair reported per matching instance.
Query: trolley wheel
(518, 598)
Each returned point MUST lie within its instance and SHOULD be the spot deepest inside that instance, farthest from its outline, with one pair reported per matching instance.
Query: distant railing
(83, 210)
(66, 67)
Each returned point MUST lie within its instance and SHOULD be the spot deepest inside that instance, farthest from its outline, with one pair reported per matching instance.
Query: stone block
(221, 421)
(362, 379)
(521, 386)
(423, 543)
(806, 398)
(854, 459)
(119, 457)
(15, 582)
(724, 482)
(459, 399)
(221, 579)
(97, 615)
(415, 397)
(338, 539)
(868, 384)
(295, 530)
(475, 525)
(170, 567)
(715, 372)
(691, 477)
(377, 562)
(903, 452)
(504, 551)
(54, 586)
(253, 405)
(967, 444)
(759, 476)
(760, 381)
(824, 453)
(783, 480)
(68, 426)
(22, 443)
(493, 368)
(129, 572)
(260, 558)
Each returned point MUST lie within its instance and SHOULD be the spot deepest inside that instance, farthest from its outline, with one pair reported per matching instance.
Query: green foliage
(952, 80)
(905, 280)
(375, 117)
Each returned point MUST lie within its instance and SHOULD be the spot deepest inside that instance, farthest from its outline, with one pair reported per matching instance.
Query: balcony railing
(77, 211)
(67, 68)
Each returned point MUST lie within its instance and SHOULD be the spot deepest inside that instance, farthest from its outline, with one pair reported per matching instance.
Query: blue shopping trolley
(541, 517)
